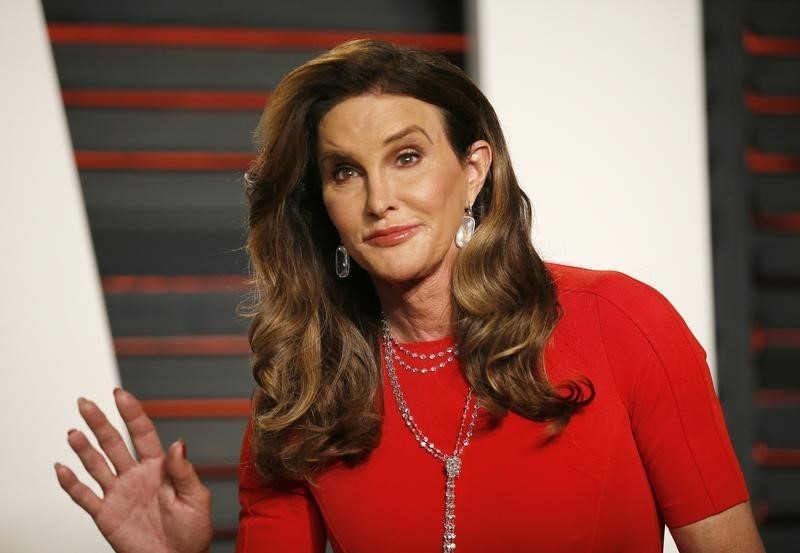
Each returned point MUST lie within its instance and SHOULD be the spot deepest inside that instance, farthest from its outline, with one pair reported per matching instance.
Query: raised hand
(154, 505)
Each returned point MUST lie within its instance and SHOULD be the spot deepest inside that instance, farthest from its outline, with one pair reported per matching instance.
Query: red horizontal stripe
(762, 162)
(137, 346)
(758, 45)
(775, 457)
(760, 510)
(777, 398)
(761, 338)
(772, 105)
(185, 284)
(220, 37)
(787, 222)
(163, 161)
(165, 99)
(196, 408)
(786, 337)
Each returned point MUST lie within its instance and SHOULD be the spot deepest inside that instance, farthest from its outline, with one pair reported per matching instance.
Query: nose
(380, 195)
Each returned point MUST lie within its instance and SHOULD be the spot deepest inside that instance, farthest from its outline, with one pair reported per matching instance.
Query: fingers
(140, 427)
(78, 491)
(107, 436)
(184, 478)
(94, 463)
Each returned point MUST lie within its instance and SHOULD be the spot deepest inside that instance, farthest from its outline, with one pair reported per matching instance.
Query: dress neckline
(429, 345)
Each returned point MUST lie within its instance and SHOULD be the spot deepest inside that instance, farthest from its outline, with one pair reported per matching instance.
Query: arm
(283, 519)
(733, 530)
(664, 381)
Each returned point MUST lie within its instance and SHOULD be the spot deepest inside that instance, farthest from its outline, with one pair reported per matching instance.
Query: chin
(405, 265)
(400, 273)
(398, 276)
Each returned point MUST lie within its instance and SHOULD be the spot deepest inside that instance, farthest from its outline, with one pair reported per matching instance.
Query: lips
(391, 236)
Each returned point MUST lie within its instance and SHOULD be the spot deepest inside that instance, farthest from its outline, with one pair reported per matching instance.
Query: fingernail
(117, 390)
(70, 431)
(183, 448)
(81, 401)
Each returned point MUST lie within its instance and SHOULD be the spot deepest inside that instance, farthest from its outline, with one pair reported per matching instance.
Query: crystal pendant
(465, 231)
(453, 466)
(342, 262)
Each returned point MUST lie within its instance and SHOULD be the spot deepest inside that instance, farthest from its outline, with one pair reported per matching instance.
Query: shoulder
(643, 306)
(612, 285)
(634, 325)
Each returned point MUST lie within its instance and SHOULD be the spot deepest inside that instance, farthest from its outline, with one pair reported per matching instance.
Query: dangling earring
(467, 227)
(342, 262)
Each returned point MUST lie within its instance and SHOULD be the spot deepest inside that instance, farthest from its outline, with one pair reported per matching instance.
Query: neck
(419, 310)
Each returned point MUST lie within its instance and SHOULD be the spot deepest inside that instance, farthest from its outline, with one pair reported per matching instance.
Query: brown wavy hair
(314, 337)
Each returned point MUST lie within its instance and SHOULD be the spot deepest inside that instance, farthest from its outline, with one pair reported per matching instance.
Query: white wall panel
(603, 106)
(54, 338)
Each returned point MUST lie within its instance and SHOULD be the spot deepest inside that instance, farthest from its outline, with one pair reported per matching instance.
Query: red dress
(651, 449)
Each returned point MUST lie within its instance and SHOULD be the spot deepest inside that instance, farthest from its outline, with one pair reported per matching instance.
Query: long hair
(314, 337)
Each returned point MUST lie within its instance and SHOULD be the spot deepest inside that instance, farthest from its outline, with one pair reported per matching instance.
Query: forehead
(370, 118)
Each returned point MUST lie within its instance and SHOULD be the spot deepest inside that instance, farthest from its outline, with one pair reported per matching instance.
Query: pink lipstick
(391, 236)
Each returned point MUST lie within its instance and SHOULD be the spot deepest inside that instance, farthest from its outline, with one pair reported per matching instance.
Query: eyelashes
(410, 153)
(342, 173)
(337, 173)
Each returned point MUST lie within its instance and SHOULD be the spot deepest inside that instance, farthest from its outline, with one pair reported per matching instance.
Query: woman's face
(392, 185)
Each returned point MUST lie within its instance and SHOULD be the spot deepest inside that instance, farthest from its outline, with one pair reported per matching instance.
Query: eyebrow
(332, 155)
(335, 154)
(405, 132)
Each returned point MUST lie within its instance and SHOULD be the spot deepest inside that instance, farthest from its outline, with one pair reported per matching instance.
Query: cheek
(337, 211)
(446, 201)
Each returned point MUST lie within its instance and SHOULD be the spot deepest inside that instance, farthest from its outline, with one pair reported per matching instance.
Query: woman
(408, 343)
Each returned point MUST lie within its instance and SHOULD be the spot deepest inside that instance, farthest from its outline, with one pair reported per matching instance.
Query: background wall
(53, 333)
(602, 105)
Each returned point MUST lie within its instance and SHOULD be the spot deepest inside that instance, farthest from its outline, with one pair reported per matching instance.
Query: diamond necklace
(448, 350)
(452, 463)
(451, 352)
(423, 370)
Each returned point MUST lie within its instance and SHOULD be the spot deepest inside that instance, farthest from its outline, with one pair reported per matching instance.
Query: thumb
(181, 471)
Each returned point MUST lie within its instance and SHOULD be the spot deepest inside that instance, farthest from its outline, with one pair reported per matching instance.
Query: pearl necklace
(452, 463)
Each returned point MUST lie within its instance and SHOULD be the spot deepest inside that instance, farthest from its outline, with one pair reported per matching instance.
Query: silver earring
(342, 262)
(467, 227)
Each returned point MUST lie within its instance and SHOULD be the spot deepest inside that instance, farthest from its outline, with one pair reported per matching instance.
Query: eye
(343, 173)
(408, 157)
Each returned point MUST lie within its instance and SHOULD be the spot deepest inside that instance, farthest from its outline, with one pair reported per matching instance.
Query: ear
(476, 165)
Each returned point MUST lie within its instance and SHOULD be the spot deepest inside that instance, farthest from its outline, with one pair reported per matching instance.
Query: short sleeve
(275, 519)
(663, 379)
